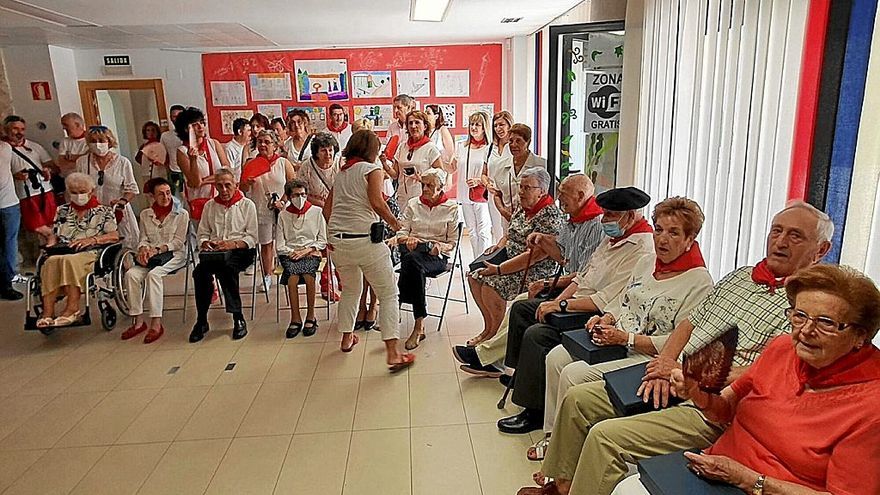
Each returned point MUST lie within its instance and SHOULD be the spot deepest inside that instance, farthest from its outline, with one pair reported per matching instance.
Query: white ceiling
(261, 24)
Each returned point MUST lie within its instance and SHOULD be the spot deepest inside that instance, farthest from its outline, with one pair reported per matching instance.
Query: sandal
(293, 329)
(310, 328)
(406, 360)
(473, 342)
(45, 322)
(547, 489)
(63, 321)
(537, 451)
(354, 341)
(410, 345)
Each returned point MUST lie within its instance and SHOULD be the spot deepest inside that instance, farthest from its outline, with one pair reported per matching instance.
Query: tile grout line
(470, 437)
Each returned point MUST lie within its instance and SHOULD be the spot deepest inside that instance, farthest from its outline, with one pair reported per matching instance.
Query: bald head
(574, 192)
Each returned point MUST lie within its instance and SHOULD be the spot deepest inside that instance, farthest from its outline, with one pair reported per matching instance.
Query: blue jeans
(10, 220)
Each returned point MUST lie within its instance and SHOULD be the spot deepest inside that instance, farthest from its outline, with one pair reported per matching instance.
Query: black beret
(623, 199)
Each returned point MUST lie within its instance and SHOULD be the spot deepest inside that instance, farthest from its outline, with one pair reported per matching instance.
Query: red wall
(484, 62)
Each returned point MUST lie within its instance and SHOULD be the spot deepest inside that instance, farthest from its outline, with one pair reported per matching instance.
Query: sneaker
(19, 279)
(467, 356)
(482, 371)
(267, 283)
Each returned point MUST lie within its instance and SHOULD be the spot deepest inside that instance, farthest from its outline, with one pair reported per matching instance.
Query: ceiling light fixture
(510, 20)
(428, 10)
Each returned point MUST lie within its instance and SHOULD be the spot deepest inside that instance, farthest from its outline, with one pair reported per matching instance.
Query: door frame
(89, 99)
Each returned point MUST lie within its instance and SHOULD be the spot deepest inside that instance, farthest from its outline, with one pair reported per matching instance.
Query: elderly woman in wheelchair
(82, 227)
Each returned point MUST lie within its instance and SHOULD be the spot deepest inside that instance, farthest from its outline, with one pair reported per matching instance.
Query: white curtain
(717, 107)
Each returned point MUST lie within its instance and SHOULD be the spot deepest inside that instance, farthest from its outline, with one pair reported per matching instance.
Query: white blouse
(236, 223)
(507, 181)
(206, 169)
(470, 166)
(171, 231)
(438, 224)
(299, 156)
(301, 231)
(408, 186)
(352, 212)
(319, 180)
(118, 177)
(267, 184)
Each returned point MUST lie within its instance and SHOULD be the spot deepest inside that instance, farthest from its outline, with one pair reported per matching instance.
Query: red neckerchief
(298, 211)
(590, 211)
(161, 211)
(272, 159)
(203, 146)
(414, 145)
(234, 199)
(350, 161)
(333, 128)
(92, 203)
(542, 203)
(641, 227)
(692, 258)
(856, 367)
(431, 204)
(481, 142)
(762, 275)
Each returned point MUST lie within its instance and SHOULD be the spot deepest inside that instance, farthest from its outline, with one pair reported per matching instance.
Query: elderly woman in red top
(805, 418)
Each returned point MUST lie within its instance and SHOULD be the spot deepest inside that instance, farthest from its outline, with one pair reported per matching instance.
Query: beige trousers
(494, 349)
(591, 445)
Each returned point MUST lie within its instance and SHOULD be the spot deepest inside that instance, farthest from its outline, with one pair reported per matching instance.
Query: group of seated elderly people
(796, 415)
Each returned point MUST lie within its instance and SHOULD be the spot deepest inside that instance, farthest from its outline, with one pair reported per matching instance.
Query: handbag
(495, 257)
(159, 259)
(477, 194)
(377, 232)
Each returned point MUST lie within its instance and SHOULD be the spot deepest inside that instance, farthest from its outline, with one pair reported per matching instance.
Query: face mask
(99, 149)
(612, 229)
(80, 199)
(299, 202)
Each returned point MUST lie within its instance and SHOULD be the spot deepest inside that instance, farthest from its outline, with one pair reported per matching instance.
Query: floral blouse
(68, 227)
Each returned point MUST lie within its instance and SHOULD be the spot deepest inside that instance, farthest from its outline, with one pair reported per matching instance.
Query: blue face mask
(612, 229)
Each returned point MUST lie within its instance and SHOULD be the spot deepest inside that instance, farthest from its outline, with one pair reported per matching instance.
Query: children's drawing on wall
(452, 83)
(371, 84)
(416, 83)
(321, 80)
(379, 115)
(317, 115)
(270, 86)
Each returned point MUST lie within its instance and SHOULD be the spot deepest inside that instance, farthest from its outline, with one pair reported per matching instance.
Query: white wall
(26, 64)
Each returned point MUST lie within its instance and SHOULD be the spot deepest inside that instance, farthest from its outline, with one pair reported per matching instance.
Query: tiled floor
(83, 412)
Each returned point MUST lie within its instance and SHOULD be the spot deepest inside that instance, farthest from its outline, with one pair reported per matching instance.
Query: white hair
(79, 179)
(540, 174)
(439, 173)
(73, 116)
(824, 225)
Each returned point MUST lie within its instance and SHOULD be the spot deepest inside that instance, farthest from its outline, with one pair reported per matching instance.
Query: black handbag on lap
(159, 259)
(495, 258)
(622, 386)
(568, 321)
(669, 475)
(580, 345)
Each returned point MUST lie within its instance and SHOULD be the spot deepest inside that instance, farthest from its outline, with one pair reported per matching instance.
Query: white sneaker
(267, 282)
(19, 279)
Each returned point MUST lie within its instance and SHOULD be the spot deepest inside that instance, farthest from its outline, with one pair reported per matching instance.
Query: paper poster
(371, 84)
(379, 115)
(415, 83)
(467, 109)
(228, 93)
(448, 110)
(270, 86)
(321, 80)
(318, 116)
(270, 110)
(603, 100)
(452, 83)
(227, 117)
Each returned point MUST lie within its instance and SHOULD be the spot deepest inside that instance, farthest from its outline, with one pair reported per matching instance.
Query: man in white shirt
(73, 145)
(31, 169)
(241, 136)
(171, 142)
(337, 124)
(402, 105)
(227, 240)
(10, 220)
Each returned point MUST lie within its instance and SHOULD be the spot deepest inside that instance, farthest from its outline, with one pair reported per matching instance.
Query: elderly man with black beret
(595, 290)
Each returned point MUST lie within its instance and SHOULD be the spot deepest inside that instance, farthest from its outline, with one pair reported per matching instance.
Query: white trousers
(355, 260)
(563, 372)
(631, 485)
(479, 225)
(499, 224)
(146, 288)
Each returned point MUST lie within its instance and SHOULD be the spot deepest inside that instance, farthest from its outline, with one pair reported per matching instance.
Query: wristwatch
(563, 305)
(758, 488)
(631, 340)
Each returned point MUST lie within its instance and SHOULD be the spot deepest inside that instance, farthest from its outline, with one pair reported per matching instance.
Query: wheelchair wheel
(124, 261)
(108, 315)
(47, 331)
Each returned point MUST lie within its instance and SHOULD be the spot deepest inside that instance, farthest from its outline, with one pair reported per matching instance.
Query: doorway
(124, 106)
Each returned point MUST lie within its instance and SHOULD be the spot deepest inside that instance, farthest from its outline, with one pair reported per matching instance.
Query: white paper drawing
(379, 115)
(452, 83)
(321, 80)
(270, 110)
(415, 83)
(467, 109)
(449, 114)
(227, 117)
(228, 93)
(371, 84)
(270, 86)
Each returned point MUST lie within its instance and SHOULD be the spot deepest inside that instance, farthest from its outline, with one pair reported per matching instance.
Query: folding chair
(454, 262)
(188, 266)
(258, 275)
(278, 308)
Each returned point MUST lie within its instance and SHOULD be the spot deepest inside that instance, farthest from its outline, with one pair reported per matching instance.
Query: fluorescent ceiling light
(428, 10)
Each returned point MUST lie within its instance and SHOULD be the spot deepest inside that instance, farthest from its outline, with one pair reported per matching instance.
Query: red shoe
(153, 335)
(132, 331)
(215, 297)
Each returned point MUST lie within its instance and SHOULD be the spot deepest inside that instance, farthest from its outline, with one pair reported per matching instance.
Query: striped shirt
(738, 301)
(578, 242)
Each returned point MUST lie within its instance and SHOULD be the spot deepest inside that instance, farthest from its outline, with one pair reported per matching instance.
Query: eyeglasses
(100, 177)
(98, 128)
(799, 319)
(526, 187)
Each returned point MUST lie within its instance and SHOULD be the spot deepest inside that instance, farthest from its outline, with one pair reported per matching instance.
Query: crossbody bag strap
(318, 172)
(303, 149)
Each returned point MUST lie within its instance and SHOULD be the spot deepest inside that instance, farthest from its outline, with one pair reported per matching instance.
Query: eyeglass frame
(838, 326)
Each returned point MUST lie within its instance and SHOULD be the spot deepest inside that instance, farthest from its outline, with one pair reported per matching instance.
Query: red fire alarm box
(40, 91)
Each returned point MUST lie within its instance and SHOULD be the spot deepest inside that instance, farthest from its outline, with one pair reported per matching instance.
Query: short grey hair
(272, 134)
(77, 179)
(405, 99)
(824, 225)
(224, 171)
(324, 140)
(540, 174)
(74, 117)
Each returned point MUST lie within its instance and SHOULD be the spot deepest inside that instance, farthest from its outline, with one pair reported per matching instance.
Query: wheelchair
(105, 284)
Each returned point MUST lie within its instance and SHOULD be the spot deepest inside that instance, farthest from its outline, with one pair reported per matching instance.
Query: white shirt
(352, 213)
(320, 180)
(507, 181)
(118, 177)
(342, 136)
(171, 231)
(610, 269)
(395, 128)
(234, 151)
(236, 223)
(272, 182)
(299, 156)
(301, 231)
(470, 166)
(206, 169)
(38, 156)
(438, 224)
(408, 186)
(73, 147)
(171, 142)
(8, 197)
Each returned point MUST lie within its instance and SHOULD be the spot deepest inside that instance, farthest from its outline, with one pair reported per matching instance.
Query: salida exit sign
(116, 60)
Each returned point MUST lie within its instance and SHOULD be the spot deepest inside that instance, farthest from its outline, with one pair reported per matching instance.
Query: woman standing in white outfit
(355, 203)
(506, 178)
(440, 135)
(469, 161)
(267, 191)
(414, 157)
(198, 161)
(114, 176)
(497, 156)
